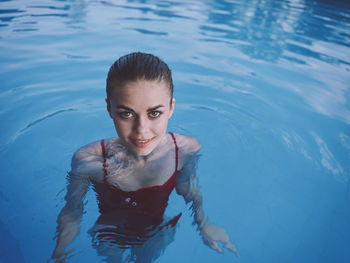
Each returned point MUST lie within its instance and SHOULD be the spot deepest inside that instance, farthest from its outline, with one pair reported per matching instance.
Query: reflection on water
(34, 17)
(328, 160)
(270, 30)
(120, 244)
(264, 30)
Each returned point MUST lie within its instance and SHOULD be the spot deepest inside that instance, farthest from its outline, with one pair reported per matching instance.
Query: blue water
(264, 86)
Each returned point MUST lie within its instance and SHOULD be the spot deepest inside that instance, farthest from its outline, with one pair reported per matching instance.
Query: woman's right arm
(69, 218)
(86, 163)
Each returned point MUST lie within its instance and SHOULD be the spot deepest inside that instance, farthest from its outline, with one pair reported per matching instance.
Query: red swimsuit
(137, 210)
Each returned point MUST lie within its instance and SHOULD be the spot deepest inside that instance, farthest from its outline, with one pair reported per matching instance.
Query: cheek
(121, 126)
(161, 124)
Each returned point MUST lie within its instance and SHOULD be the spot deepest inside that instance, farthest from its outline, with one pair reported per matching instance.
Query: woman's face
(140, 111)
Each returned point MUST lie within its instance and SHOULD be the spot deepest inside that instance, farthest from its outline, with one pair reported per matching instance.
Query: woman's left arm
(211, 233)
(188, 187)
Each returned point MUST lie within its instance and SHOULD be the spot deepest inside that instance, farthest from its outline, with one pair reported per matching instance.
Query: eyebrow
(130, 109)
(155, 107)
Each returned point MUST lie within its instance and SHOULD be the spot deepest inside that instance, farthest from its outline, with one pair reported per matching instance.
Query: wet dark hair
(138, 66)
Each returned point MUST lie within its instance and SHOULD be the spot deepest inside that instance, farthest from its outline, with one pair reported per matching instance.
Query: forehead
(141, 91)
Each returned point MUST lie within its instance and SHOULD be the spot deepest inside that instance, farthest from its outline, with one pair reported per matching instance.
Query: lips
(141, 143)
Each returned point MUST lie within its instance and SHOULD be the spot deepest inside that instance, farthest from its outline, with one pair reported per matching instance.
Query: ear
(172, 107)
(109, 107)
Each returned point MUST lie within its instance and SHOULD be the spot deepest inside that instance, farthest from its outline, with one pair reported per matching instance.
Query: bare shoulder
(93, 148)
(187, 144)
(189, 148)
(88, 159)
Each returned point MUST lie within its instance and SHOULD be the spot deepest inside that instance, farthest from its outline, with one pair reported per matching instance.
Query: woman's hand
(60, 256)
(212, 234)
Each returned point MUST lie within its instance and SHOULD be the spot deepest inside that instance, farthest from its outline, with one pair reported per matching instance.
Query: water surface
(264, 86)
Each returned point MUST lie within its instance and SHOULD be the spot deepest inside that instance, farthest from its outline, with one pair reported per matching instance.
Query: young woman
(134, 174)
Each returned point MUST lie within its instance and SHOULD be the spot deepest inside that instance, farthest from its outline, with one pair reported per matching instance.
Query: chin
(144, 151)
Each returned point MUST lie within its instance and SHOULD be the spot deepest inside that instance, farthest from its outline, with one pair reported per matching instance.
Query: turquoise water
(264, 86)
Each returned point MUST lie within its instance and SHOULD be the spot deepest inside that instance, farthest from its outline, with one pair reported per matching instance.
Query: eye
(125, 114)
(154, 114)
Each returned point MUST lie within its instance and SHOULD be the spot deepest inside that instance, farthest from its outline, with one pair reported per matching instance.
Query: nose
(141, 125)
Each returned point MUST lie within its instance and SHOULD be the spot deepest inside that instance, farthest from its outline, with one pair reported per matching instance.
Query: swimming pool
(264, 86)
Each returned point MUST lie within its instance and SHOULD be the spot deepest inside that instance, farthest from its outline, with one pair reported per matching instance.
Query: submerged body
(132, 194)
(131, 217)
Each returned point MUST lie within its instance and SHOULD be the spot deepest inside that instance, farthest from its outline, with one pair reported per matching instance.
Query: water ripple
(252, 79)
(64, 8)
(45, 118)
(149, 32)
(35, 122)
(10, 11)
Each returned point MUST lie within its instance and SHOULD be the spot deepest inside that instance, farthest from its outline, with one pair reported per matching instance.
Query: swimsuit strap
(176, 151)
(104, 156)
